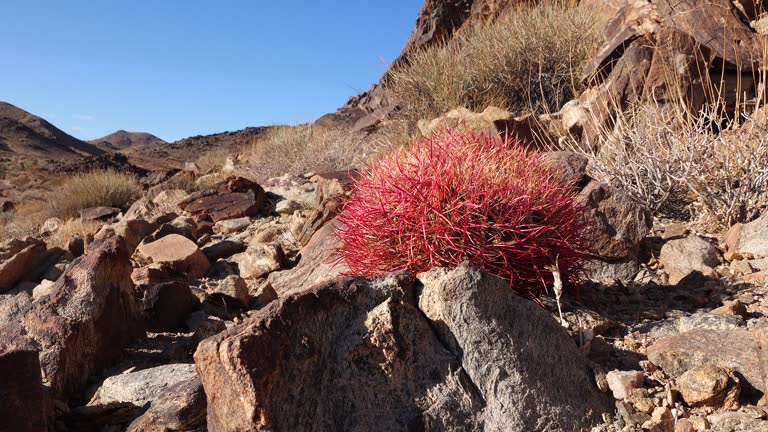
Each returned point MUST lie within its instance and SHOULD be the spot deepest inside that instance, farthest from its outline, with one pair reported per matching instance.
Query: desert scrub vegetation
(308, 148)
(93, 189)
(530, 58)
(700, 167)
(455, 196)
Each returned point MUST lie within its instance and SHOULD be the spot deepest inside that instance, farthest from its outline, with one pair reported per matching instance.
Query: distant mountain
(25, 133)
(123, 140)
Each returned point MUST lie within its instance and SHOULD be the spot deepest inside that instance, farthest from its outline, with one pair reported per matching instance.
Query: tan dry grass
(93, 189)
(529, 59)
(308, 148)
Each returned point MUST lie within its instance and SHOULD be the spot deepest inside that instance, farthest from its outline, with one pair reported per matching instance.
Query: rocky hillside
(215, 302)
(175, 154)
(28, 134)
(123, 140)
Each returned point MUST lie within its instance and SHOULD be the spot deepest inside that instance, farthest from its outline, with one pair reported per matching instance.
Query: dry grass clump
(530, 58)
(696, 167)
(25, 220)
(212, 161)
(94, 189)
(307, 148)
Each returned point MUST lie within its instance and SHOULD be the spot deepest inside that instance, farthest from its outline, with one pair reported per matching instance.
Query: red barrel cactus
(459, 195)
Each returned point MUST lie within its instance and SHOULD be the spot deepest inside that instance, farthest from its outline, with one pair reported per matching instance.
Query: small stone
(735, 307)
(674, 231)
(259, 260)
(203, 325)
(179, 252)
(741, 267)
(287, 206)
(684, 425)
(263, 295)
(699, 423)
(758, 278)
(661, 420)
(234, 287)
(622, 383)
(706, 385)
(630, 416)
(229, 226)
(643, 404)
(98, 213)
(6, 206)
(42, 289)
(223, 249)
(684, 256)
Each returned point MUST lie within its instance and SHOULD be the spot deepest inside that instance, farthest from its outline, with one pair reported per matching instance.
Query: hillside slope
(25, 133)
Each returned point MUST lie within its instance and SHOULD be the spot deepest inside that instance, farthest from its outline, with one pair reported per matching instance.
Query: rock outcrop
(663, 49)
(455, 351)
(91, 314)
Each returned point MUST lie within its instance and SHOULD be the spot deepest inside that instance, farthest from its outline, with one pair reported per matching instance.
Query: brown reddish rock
(91, 314)
(98, 213)
(19, 258)
(23, 404)
(317, 264)
(177, 252)
(458, 351)
(618, 225)
(738, 350)
(233, 198)
(133, 231)
(165, 306)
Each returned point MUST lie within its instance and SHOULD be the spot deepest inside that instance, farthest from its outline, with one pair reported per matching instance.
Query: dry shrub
(25, 220)
(307, 148)
(457, 196)
(530, 58)
(212, 161)
(94, 189)
(697, 167)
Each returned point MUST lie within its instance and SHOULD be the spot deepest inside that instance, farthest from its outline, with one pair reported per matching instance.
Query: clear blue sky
(187, 67)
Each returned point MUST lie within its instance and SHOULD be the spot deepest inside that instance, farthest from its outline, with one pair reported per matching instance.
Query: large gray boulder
(142, 386)
(452, 351)
(179, 408)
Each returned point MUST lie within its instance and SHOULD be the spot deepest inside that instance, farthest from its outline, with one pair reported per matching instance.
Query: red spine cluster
(457, 196)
